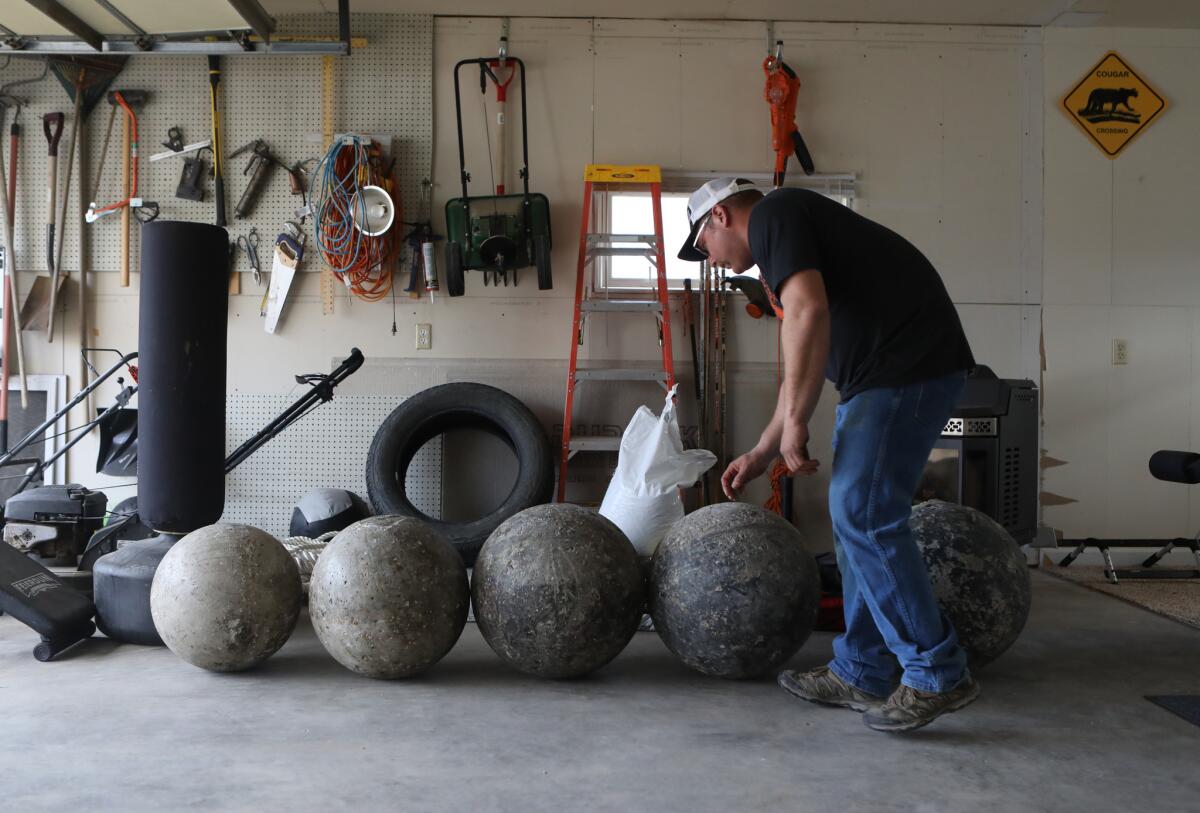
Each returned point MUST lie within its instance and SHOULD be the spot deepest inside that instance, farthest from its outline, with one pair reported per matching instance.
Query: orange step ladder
(602, 178)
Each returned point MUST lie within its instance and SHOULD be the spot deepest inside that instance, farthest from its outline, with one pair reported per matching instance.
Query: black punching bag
(181, 375)
(181, 414)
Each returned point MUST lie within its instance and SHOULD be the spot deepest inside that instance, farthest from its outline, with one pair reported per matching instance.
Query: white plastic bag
(643, 497)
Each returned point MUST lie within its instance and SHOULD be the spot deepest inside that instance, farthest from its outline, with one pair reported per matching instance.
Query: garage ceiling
(158, 17)
(1100, 13)
(154, 16)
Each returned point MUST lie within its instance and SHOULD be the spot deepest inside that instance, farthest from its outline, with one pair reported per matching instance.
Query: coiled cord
(363, 263)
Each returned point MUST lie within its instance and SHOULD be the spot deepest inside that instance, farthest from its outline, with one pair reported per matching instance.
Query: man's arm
(805, 341)
(768, 444)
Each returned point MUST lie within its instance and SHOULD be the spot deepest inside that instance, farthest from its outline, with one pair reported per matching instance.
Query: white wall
(942, 125)
(1121, 262)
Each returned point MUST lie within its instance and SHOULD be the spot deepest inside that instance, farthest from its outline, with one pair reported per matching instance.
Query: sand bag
(643, 497)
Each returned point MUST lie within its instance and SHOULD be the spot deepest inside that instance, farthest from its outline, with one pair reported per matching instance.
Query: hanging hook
(503, 40)
(11, 85)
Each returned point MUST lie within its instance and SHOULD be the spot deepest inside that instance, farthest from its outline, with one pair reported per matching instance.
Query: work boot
(909, 709)
(822, 686)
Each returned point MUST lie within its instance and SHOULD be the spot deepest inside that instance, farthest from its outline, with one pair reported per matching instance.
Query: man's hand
(793, 448)
(741, 471)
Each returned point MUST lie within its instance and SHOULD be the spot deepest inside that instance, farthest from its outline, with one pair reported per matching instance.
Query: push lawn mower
(496, 233)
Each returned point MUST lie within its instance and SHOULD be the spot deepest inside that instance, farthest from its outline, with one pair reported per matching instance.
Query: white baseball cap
(701, 203)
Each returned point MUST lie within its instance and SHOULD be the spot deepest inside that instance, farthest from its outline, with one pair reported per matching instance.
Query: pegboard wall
(383, 89)
(326, 448)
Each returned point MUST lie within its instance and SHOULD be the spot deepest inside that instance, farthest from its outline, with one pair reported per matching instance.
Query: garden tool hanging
(52, 126)
(781, 91)
(145, 211)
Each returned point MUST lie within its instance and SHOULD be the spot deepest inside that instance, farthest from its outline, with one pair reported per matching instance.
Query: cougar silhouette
(1100, 97)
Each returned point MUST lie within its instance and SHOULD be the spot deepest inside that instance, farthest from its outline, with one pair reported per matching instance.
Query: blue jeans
(882, 440)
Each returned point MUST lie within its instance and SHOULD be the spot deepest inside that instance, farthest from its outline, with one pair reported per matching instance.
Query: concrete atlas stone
(558, 591)
(979, 576)
(226, 597)
(733, 590)
(389, 597)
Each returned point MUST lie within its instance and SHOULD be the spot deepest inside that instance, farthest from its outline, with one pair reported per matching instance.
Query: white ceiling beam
(67, 19)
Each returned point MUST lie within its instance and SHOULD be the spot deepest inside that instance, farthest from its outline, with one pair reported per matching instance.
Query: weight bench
(37, 598)
(1172, 467)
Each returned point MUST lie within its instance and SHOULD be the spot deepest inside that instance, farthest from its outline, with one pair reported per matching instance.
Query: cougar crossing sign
(1112, 104)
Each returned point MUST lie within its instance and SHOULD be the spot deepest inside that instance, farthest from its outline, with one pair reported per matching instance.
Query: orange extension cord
(368, 270)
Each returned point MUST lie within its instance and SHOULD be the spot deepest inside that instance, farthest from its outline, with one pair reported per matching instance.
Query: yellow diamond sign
(1112, 104)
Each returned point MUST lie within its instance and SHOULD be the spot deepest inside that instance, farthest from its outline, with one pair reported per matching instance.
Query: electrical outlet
(424, 336)
(1120, 351)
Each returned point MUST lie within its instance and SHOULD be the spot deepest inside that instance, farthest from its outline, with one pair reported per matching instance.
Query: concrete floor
(1061, 726)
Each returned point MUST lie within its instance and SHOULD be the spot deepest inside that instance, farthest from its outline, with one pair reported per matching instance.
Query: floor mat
(1186, 706)
(1178, 599)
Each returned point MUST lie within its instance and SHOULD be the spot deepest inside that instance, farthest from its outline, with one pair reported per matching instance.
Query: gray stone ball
(979, 576)
(558, 591)
(389, 597)
(226, 597)
(733, 590)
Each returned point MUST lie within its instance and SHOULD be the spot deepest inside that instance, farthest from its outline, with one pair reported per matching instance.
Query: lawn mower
(501, 232)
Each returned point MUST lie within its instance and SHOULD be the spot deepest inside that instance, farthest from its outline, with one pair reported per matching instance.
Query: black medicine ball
(326, 509)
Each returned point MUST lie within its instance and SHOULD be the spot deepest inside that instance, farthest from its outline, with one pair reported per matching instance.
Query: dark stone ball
(979, 576)
(733, 590)
(557, 590)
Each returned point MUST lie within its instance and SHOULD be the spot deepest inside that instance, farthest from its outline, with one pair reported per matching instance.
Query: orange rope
(774, 503)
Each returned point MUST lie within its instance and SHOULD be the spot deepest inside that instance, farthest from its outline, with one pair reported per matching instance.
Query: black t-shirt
(892, 322)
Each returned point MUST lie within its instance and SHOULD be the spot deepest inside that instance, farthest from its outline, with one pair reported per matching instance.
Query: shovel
(117, 454)
(37, 307)
(52, 126)
(87, 79)
(10, 278)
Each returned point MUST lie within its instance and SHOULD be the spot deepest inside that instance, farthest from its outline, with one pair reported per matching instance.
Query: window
(632, 213)
(619, 212)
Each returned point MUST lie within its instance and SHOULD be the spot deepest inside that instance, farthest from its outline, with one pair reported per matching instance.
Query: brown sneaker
(822, 686)
(909, 709)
